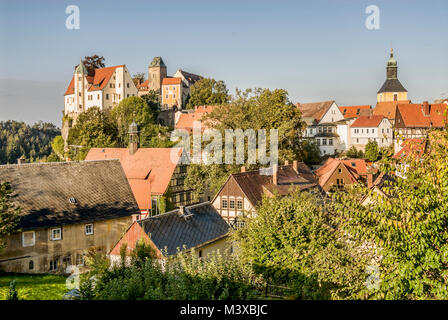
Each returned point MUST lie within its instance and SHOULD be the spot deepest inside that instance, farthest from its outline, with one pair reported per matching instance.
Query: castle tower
(392, 89)
(133, 138)
(156, 73)
(80, 86)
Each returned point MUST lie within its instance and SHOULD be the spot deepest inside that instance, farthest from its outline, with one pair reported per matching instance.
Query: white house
(103, 88)
(375, 128)
(326, 125)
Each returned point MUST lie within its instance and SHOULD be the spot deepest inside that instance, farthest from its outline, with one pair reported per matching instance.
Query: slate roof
(43, 190)
(172, 230)
(254, 184)
(392, 85)
(190, 77)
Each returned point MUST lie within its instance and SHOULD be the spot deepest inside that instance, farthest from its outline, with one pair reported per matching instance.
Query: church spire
(81, 68)
(392, 69)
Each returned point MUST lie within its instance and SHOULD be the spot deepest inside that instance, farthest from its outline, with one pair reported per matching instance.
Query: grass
(34, 287)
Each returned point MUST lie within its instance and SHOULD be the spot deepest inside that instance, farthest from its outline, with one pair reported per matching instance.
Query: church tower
(156, 73)
(392, 89)
(80, 86)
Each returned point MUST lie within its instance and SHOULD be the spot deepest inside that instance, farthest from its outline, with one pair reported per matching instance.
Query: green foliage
(354, 153)
(93, 128)
(372, 152)
(138, 77)
(208, 91)
(184, 277)
(9, 212)
(12, 292)
(202, 178)
(293, 241)
(19, 139)
(152, 99)
(310, 153)
(93, 62)
(408, 226)
(34, 287)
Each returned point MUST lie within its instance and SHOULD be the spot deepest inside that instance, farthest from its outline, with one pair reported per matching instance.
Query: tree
(9, 212)
(310, 152)
(407, 226)
(138, 78)
(372, 152)
(208, 91)
(293, 241)
(152, 98)
(354, 153)
(93, 129)
(93, 62)
(18, 139)
(137, 109)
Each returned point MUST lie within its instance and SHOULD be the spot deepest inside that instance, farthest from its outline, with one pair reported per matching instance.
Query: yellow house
(392, 89)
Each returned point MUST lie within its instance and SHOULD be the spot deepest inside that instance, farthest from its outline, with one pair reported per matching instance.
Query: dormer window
(73, 200)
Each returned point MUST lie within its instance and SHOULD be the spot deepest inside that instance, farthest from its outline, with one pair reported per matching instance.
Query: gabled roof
(99, 190)
(169, 80)
(254, 185)
(315, 110)
(388, 109)
(143, 86)
(157, 62)
(186, 119)
(411, 148)
(149, 170)
(190, 77)
(355, 111)
(413, 115)
(392, 85)
(356, 168)
(367, 121)
(200, 224)
(97, 82)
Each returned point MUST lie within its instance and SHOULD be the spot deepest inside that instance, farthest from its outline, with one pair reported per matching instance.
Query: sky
(317, 50)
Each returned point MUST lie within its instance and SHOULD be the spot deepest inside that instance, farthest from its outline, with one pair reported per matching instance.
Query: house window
(340, 170)
(330, 142)
(324, 142)
(232, 204)
(239, 204)
(56, 234)
(28, 239)
(98, 97)
(89, 229)
(373, 130)
(54, 265)
(110, 85)
(395, 97)
(107, 96)
(200, 253)
(119, 85)
(31, 265)
(224, 203)
(127, 84)
(166, 96)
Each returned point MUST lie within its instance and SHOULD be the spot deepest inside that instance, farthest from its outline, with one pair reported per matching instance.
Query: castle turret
(392, 89)
(156, 73)
(80, 86)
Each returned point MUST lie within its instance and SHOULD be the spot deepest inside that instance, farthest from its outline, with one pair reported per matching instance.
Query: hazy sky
(317, 50)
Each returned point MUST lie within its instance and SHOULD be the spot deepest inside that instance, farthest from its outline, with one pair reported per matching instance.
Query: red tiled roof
(355, 111)
(414, 116)
(388, 109)
(143, 85)
(411, 147)
(97, 82)
(149, 170)
(367, 121)
(186, 119)
(356, 168)
(167, 81)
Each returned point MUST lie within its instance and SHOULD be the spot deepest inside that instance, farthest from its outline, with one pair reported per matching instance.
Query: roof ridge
(11, 165)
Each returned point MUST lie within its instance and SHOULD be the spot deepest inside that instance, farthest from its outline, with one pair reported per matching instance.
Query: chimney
(182, 210)
(295, 166)
(133, 138)
(425, 108)
(243, 169)
(274, 174)
(369, 180)
(286, 162)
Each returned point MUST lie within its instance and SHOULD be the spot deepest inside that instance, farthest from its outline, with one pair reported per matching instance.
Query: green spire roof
(81, 69)
(392, 62)
(157, 62)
